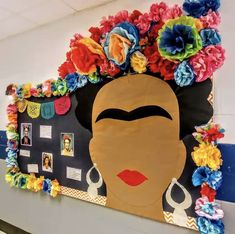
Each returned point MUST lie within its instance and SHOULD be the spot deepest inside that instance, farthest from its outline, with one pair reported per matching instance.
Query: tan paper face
(137, 157)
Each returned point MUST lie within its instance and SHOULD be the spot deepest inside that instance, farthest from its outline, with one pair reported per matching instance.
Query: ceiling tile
(82, 4)
(48, 11)
(19, 5)
(4, 13)
(14, 25)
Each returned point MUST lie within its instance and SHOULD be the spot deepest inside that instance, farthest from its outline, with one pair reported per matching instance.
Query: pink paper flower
(207, 209)
(143, 23)
(172, 13)
(207, 61)
(107, 24)
(211, 20)
(121, 16)
(157, 11)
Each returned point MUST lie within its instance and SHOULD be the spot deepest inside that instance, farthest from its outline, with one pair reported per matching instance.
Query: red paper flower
(157, 64)
(67, 67)
(86, 56)
(108, 67)
(134, 16)
(208, 192)
(213, 134)
(95, 33)
(157, 11)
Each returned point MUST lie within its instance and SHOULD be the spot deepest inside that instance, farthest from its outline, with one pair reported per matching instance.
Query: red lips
(132, 178)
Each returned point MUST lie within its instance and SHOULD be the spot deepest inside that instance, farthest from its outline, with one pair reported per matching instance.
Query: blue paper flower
(175, 40)
(206, 226)
(214, 5)
(195, 8)
(120, 43)
(210, 37)
(71, 80)
(47, 186)
(205, 175)
(82, 81)
(22, 182)
(184, 75)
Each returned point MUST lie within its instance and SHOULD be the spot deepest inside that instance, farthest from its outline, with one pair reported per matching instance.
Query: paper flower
(95, 34)
(46, 88)
(61, 87)
(184, 75)
(94, 78)
(139, 62)
(207, 61)
(206, 226)
(39, 183)
(67, 67)
(109, 68)
(82, 81)
(72, 81)
(207, 155)
(207, 209)
(208, 192)
(211, 20)
(197, 8)
(86, 56)
(55, 188)
(31, 182)
(22, 181)
(172, 13)
(46, 186)
(205, 175)
(157, 64)
(209, 133)
(143, 23)
(120, 43)
(9, 178)
(157, 11)
(210, 37)
(179, 39)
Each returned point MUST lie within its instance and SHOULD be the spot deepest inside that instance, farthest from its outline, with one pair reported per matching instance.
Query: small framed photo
(47, 162)
(26, 134)
(67, 144)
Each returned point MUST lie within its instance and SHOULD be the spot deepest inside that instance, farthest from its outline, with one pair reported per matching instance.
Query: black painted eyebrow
(138, 113)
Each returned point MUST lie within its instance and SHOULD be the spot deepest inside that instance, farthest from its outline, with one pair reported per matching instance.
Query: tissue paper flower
(120, 43)
(205, 175)
(207, 155)
(179, 38)
(184, 75)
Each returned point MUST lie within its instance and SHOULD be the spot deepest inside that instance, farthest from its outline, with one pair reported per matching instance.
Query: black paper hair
(194, 108)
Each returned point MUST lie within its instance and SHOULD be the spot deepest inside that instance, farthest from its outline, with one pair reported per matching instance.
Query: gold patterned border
(101, 200)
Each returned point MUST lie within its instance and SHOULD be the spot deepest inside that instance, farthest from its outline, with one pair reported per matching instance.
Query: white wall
(34, 57)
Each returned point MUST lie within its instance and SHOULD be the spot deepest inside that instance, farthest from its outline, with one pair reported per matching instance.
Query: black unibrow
(138, 113)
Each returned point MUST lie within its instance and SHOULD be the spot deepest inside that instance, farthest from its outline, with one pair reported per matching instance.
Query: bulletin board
(128, 123)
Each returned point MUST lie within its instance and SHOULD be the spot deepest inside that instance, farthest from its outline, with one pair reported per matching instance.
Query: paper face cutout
(127, 144)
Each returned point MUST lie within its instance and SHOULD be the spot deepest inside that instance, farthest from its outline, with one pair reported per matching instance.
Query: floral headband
(180, 46)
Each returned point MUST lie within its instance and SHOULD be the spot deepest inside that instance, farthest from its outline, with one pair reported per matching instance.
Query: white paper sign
(45, 131)
(74, 173)
(32, 168)
(25, 153)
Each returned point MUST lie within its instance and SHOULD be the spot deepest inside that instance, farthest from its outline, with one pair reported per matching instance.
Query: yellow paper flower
(31, 182)
(139, 62)
(38, 184)
(9, 179)
(207, 155)
(55, 188)
(26, 90)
